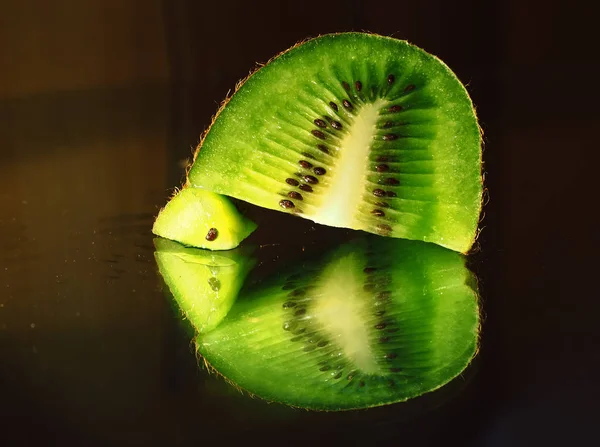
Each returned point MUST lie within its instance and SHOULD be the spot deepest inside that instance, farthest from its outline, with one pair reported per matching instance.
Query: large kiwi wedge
(378, 321)
(204, 284)
(352, 130)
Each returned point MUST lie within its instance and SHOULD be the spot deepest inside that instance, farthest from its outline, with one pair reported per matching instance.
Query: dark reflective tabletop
(92, 352)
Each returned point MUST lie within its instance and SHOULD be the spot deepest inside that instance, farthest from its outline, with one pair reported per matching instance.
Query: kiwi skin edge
(484, 193)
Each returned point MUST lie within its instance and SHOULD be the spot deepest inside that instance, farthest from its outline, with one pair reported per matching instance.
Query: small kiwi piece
(202, 219)
(378, 321)
(204, 284)
(352, 130)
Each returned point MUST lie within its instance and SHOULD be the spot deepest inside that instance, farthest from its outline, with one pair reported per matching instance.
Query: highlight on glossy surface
(352, 130)
(205, 284)
(377, 321)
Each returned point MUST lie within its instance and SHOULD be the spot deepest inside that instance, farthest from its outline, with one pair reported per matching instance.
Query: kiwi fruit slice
(204, 284)
(352, 130)
(202, 219)
(378, 321)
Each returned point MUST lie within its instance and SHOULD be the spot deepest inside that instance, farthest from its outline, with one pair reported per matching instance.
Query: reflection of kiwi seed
(214, 284)
(378, 322)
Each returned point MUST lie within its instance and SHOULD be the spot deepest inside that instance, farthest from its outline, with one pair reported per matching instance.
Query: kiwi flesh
(204, 284)
(377, 321)
(202, 219)
(352, 130)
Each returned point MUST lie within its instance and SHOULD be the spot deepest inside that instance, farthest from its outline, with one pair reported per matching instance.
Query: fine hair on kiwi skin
(405, 410)
(385, 229)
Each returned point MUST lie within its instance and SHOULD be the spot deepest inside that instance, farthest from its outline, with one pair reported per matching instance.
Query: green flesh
(192, 213)
(331, 337)
(263, 133)
(204, 284)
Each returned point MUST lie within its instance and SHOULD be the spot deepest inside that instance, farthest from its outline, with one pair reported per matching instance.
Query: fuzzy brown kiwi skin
(230, 94)
(475, 247)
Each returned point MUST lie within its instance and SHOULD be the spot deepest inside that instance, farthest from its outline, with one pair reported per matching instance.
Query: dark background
(101, 102)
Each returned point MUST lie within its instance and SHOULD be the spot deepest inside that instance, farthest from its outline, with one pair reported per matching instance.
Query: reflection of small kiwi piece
(379, 321)
(352, 130)
(205, 284)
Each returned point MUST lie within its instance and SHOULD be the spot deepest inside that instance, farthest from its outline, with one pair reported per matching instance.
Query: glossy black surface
(101, 103)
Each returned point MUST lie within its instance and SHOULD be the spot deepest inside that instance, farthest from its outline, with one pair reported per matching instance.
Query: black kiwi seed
(307, 155)
(382, 204)
(391, 194)
(369, 269)
(322, 343)
(338, 375)
(358, 85)
(212, 234)
(289, 304)
(409, 88)
(295, 195)
(384, 339)
(382, 158)
(388, 124)
(336, 125)
(296, 338)
(379, 192)
(320, 123)
(286, 204)
(300, 311)
(299, 331)
(333, 105)
(388, 137)
(391, 355)
(395, 108)
(297, 292)
(391, 383)
(309, 348)
(384, 295)
(214, 284)
(310, 179)
(319, 171)
(347, 104)
(380, 326)
(384, 229)
(382, 168)
(378, 213)
(289, 325)
(392, 181)
(325, 368)
(391, 79)
(361, 384)
(291, 181)
(305, 164)
(318, 134)
(323, 148)
(345, 85)
(306, 188)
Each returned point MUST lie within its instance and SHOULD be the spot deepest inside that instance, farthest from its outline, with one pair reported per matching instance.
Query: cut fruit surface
(202, 219)
(204, 284)
(378, 321)
(352, 130)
